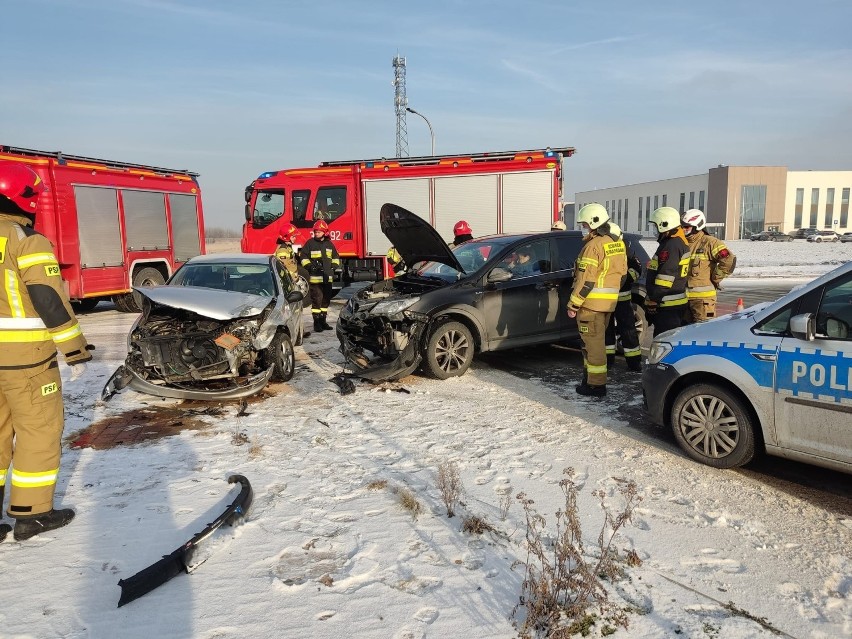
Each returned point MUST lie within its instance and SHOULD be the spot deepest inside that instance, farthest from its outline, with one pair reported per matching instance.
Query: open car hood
(209, 302)
(414, 238)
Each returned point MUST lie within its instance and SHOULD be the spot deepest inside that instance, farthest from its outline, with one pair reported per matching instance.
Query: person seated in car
(525, 266)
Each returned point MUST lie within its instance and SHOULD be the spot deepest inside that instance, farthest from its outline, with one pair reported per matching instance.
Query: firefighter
(710, 262)
(35, 319)
(665, 281)
(598, 274)
(623, 318)
(320, 259)
(558, 225)
(462, 233)
(285, 252)
(396, 261)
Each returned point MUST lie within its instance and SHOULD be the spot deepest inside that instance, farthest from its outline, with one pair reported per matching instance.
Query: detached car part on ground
(451, 304)
(776, 377)
(221, 329)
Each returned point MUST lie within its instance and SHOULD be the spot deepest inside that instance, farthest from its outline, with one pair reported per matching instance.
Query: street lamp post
(429, 124)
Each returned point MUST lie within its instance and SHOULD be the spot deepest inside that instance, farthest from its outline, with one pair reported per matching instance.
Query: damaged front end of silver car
(184, 354)
(379, 335)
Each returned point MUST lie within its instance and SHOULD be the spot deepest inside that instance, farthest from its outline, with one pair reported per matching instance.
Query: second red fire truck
(501, 192)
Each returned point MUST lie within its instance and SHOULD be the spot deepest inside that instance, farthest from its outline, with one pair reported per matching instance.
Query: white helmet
(558, 225)
(593, 214)
(615, 230)
(665, 218)
(694, 218)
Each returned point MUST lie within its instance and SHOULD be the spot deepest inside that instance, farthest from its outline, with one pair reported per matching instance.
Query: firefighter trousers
(666, 318)
(623, 321)
(592, 326)
(31, 422)
(701, 309)
(320, 297)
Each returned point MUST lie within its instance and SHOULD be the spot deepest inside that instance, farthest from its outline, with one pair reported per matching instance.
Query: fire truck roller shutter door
(527, 201)
(412, 195)
(472, 198)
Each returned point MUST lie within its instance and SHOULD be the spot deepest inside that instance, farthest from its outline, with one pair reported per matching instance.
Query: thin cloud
(537, 77)
(595, 43)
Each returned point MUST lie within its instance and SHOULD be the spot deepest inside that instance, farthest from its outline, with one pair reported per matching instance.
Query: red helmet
(462, 228)
(320, 225)
(21, 185)
(289, 234)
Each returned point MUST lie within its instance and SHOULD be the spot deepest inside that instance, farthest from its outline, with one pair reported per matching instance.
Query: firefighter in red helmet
(35, 320)
(284, 250)
(462, 233)
(320, 259)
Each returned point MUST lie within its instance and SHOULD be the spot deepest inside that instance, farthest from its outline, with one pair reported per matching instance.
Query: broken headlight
(393, 307)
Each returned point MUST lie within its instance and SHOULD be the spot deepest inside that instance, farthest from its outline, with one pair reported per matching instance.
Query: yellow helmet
(393, 256)
(665, 218)
(593, 214)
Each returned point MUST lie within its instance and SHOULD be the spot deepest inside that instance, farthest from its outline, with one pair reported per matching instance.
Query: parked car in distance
(773, 378)
(846, 237)
(803, 233)
(221, 328)
(823, 236)
(771, 236)
(491, 293)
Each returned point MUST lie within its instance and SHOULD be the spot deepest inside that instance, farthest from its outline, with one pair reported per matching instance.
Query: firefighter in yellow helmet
(396, 262)
(35, 319)
(598, 274)
(665, 281)
(710, 262)
(623, 320)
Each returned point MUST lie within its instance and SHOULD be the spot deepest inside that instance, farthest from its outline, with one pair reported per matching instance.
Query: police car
(776, 377)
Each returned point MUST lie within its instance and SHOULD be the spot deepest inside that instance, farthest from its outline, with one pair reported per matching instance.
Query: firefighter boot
(591, 391)
(325, 324)
(5, 529)
(319, 327)
(26, 527)
(634, 364)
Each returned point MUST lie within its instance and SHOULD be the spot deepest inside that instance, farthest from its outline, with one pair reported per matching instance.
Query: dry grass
(239, 437)
(377, 484)
(562, 585)
(450, 485)
(476, 525)
(504, 504)
(255, 451)
(408, 500)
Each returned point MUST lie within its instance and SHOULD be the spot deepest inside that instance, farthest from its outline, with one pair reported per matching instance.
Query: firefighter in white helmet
(35, 320)
(598, 275)
(710, 262)
(665, 280)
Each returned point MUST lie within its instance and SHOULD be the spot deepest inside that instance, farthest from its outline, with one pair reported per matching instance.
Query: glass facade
(752, 209)
(800, 203)
(692, 199)
(814, 206)
(829, 208)
(844, 208)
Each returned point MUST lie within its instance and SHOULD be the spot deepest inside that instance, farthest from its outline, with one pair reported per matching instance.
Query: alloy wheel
(709, 426)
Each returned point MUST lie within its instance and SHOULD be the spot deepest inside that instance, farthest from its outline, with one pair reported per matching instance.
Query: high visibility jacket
(668, 271)
(634, 270)
(320, 259)
(599, 273)
(287, 256)
(35, 314)
(710, 263)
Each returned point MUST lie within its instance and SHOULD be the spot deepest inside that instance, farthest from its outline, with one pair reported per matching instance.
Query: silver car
(221, 328)
(776, 377)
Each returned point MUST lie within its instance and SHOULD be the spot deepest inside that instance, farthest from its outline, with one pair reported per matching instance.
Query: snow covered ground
(328, 551)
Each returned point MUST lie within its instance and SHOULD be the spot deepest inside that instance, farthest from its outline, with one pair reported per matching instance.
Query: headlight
(392, 307)
(658, 351)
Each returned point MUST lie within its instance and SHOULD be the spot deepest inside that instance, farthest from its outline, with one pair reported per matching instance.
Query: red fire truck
(501, 192)
(114, 225)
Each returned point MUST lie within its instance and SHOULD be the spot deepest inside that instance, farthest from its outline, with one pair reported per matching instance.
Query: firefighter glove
(77, 371)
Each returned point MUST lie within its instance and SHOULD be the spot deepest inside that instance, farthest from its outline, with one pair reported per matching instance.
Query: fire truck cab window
(300, 208)
(330, 203)
(268, 207)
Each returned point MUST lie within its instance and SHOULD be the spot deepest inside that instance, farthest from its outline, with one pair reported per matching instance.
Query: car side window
(567, 248)
(834, 318)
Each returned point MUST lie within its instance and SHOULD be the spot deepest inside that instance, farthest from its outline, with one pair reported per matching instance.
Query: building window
(647, 212)
(625, 214)
(606, 206)
(665, 199)
(701, 200)
(692, 199)
(640, 213)
(800, 203)
(814, 206)
(682, 202)
(844, 208)
(619, 212)
(656, 202)
(753, 210)
(829, 208)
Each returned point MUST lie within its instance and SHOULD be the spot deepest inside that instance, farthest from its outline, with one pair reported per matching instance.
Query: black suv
(803, 233)
(491, 293)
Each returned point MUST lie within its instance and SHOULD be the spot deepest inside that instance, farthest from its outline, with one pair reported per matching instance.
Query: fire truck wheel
(85, 305)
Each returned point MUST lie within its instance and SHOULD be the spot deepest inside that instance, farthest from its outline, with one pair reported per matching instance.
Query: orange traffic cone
(740, 306)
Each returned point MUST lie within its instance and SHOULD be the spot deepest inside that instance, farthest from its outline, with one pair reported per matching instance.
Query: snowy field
(328, 551)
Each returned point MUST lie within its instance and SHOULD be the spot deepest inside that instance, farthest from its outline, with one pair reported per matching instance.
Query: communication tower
(400, 103)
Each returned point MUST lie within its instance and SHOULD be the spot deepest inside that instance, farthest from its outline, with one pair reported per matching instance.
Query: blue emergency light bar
(268, 174)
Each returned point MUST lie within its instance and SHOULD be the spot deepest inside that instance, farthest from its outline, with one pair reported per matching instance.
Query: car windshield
(471, 255)
(241, 278)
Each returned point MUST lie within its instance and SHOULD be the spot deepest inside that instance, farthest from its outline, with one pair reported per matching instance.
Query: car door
(813, 399)
(567, 249)
(523, 308)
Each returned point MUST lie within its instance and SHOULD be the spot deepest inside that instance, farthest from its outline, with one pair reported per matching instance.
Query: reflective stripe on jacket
(667, 271)
(321, 259)
(35, 313)
(598, 274)
(710, 262)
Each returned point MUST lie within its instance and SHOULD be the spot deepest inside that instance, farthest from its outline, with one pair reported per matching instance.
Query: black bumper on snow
(380, 368)
(657, 380)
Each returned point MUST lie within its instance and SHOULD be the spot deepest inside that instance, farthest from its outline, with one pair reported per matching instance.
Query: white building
(738, 200)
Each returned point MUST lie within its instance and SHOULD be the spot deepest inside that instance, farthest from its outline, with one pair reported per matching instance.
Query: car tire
(132, 302)
(729, 442)
(282, 357)
(449, 351)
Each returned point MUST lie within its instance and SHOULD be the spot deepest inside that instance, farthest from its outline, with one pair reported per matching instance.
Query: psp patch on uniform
(51, 270)
(49, 389)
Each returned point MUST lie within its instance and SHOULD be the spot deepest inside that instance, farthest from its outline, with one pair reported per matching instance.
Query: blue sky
(644, 90)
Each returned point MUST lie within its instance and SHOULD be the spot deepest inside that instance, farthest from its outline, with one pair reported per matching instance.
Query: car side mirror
(248, 213)
(295, 296)
(498, 275)
(803, 326)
